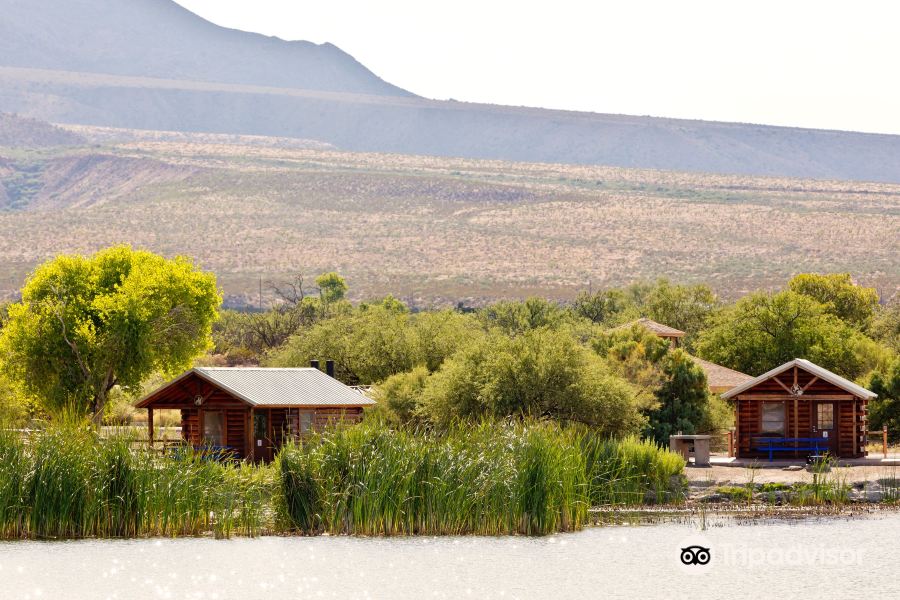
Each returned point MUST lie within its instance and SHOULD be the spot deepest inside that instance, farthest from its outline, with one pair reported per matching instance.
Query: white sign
(259, 442)
(824, 434)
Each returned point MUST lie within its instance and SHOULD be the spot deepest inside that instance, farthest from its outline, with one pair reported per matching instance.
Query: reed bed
(490, 479)
(67, 482)
(486, 479)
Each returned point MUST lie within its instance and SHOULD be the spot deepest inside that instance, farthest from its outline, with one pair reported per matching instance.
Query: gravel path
(723, 475)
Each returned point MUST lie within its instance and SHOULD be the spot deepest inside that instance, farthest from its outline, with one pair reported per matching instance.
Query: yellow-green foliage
(538, 373)
(87, 324)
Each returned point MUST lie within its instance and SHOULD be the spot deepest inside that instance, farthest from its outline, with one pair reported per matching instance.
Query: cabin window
(306, 421)
(825, 414)
(773, 418)
(213, 426)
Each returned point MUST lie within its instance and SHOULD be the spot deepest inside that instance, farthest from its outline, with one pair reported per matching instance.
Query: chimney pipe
(329, 368)
(314, 364)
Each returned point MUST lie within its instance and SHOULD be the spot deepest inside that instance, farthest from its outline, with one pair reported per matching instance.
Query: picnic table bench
(817, 446)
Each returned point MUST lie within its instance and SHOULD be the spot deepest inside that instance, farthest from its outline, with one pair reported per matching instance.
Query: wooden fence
(884, 439)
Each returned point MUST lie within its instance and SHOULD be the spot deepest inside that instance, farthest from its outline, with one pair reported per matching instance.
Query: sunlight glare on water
(844, 556)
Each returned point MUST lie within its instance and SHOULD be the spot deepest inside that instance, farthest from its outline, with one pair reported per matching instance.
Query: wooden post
(730, 435)
(855, 429)
(150, 425)
(884, 440)
(252, 435)
(796, 423)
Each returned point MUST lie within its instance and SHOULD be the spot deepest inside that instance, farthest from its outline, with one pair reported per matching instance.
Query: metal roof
(261, 386)
(821, 373)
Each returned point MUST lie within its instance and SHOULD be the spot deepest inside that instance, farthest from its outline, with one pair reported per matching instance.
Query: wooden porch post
(855, 429)
(796, 424)
(150, 425)
(252, 435)
(248, 431)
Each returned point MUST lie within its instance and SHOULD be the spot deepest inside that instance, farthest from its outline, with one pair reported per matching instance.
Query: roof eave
(820, 372)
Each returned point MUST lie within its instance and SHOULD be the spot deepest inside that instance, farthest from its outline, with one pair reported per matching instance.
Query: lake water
(823, 558)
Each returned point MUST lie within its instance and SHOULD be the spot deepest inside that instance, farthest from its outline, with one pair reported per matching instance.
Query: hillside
(435, 230)
(17, 131)
(150, 64)
(159, 38)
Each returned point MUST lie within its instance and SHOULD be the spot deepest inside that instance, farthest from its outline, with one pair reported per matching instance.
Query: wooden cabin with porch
(800, 410)
(249, 412)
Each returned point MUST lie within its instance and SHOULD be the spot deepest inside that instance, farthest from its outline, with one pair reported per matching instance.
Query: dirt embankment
(88, 180)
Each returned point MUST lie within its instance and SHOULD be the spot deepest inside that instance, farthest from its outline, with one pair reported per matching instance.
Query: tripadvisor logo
(695, 555)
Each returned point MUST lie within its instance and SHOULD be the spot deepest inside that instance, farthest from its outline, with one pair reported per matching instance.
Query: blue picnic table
(817, 446)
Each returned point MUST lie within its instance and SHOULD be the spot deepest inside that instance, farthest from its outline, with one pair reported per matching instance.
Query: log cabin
(799, 409)
(249, 412)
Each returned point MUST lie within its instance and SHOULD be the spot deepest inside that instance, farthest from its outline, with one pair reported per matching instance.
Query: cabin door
(824, 420)
(262, 446)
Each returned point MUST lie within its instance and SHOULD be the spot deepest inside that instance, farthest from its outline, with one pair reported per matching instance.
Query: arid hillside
(151, 64)
(435, 230)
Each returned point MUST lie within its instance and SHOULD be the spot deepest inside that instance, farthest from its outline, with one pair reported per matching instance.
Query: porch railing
(884, 439)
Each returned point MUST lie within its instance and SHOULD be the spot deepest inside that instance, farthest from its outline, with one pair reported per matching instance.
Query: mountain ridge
(200, 80)
(160, 38)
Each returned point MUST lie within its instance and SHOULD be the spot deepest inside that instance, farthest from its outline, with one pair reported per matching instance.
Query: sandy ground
(724, 475)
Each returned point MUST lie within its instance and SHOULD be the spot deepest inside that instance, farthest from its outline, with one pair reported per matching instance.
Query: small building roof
(820, 372)
(260, 386)
(718, 378)
(657, 328)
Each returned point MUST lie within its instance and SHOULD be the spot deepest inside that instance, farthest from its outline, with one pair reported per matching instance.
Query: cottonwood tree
(761, 331)
(854, 304)
(88, 324)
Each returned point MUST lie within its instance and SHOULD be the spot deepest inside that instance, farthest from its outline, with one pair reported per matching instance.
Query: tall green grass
(632, 472)
(66, 482)
(486, 479)
(492, 479)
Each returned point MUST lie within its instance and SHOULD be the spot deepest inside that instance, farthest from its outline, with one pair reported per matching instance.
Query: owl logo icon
(695, 555)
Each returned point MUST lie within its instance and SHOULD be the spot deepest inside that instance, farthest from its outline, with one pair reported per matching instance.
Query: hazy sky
(787, 62)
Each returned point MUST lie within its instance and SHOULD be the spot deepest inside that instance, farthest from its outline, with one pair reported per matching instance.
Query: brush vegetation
(435, 229)
(538, 478)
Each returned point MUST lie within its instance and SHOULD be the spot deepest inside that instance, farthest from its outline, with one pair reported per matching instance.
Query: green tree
(683, 401)
(399, 397)
(605, 307)
(885, 409)
(375, 341)
(635, 354)
(886, 325)
(88, 324)
(439, 335)
(841, 297)
(684, 307)
(518, 317)
(332, 287)
(762, 331)
(15, 409)
(368, 345)
(541, 373)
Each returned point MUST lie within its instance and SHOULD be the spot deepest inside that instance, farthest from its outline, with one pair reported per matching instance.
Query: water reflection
(842, 556)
